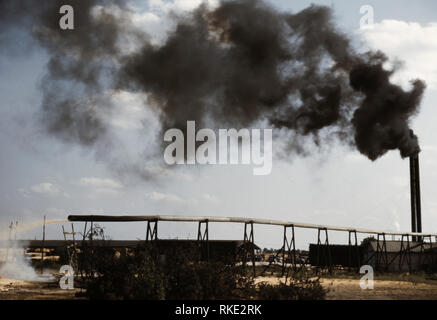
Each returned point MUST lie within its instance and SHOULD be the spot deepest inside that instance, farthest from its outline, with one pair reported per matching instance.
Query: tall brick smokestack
(416, 216)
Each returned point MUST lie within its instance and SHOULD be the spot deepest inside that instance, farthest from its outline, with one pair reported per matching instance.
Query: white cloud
(178, 5)
(411, 42)
(166, 197)
(45, 188)
(128, 110)
(104, 186)
(159, 171)
(210, 198)
(156, 20)
(175, 199)
(95, 182)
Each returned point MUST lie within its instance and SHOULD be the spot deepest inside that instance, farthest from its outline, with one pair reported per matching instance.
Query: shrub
(144, 273)
(294, 290)
(126, 275)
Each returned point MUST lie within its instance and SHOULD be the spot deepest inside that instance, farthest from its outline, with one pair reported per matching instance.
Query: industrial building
(389, 256)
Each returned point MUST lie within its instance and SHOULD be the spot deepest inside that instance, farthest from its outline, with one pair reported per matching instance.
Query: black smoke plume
(235, 64)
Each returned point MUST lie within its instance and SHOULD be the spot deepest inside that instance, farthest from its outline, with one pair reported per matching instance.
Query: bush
(189, 278)
(142, 273)
(294, 290)
(125, 275)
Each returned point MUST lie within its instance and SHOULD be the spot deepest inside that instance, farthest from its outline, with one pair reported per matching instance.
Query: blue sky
(42, 176)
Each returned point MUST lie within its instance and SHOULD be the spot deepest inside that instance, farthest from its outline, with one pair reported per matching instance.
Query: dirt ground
(33, 290)
(338, 289)
(349, 289)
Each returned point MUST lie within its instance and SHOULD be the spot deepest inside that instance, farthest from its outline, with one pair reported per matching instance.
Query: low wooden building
(228, 251)
(400, 256)
(390, 256)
